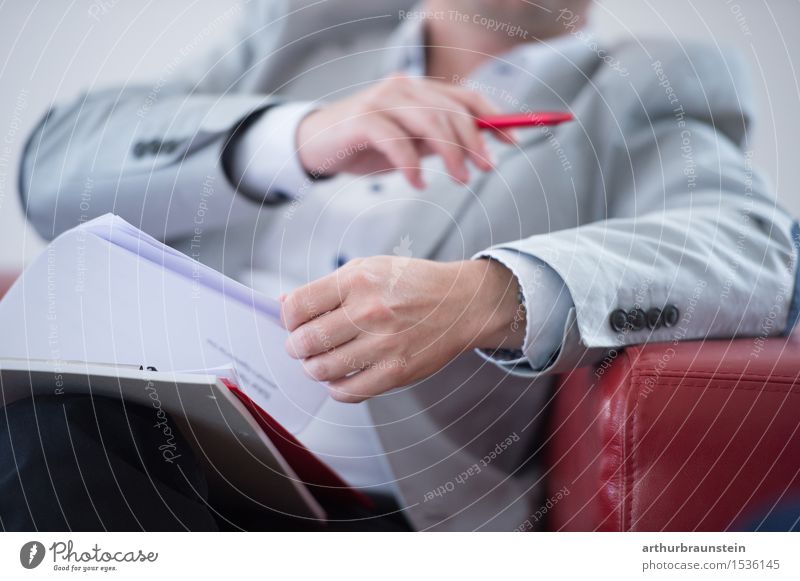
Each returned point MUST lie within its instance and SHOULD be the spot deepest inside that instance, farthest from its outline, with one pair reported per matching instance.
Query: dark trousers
(77, 463)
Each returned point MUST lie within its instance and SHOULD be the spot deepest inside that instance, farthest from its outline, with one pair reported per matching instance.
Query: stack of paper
(107, 293)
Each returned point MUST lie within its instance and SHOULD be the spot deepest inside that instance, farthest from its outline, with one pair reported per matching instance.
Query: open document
(105, 292)
(109, 311)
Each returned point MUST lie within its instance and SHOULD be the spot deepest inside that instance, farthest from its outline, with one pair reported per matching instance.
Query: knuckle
(300, 343)
(307, 341)
(436, 119)
(317, 369)
(460, 110)
(395, 373)
(377, 311)
(445, 120)
(366, 106)
(361, 278)
(402, 374)
(387, 344)
(293, 306)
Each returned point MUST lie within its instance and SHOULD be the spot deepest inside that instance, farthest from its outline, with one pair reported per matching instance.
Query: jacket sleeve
(695, 246)
(153, 153)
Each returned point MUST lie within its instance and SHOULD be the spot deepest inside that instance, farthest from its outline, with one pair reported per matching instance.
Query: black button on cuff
(637, 319)
(170, 146)
(670, 316)
(618, 320)
(654, 318)
(140, 149)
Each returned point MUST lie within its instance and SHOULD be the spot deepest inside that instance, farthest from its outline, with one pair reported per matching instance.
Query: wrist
(263, 158)
(313, 147)
(495, 315)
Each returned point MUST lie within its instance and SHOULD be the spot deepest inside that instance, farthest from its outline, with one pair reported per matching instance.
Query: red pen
(536, 119)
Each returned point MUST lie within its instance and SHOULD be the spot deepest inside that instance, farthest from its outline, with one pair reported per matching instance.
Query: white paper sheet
(105, 292)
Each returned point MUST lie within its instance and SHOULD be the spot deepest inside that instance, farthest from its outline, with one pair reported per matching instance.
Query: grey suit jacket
(647, 204)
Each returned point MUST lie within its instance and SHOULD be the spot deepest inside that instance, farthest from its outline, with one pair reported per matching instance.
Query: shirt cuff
(547, 304)
(265, 164)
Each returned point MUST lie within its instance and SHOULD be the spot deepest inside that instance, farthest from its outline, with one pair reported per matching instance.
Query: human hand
(384, 322)
(392, 125)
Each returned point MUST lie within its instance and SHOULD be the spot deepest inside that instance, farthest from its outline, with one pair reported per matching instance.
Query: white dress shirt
(265, 159)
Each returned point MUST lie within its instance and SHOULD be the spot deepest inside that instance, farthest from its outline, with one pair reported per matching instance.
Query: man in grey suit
(440, 276)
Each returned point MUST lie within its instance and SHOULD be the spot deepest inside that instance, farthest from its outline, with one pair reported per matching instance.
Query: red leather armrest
(688, 436)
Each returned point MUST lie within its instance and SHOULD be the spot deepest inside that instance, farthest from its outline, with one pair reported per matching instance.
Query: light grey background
(53, 50)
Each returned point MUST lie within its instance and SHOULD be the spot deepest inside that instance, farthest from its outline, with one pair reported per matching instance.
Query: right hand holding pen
(392, 125)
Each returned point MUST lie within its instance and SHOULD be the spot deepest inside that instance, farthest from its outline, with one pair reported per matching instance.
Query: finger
(462, 120)
(360, 386)
(395, 144)
(321, 334)
(432, 126)
(475, 145)
(507, 135)
(312, 300)
(425, 112)
(475, 103)
(340, 362)
(378, 376)
(480, 106)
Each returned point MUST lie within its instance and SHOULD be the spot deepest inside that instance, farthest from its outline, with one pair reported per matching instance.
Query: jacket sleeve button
(670, 316)
(170, 146)
(637, 319)
(654, 318)
(618, 320)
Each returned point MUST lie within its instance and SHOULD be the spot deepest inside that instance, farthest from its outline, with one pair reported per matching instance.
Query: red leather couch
(692, 436)
(680, 437)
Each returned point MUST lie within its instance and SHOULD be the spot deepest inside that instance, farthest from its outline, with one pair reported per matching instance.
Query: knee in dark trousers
(85, 463)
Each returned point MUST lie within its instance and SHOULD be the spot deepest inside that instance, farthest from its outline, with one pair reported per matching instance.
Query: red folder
(323, 482)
